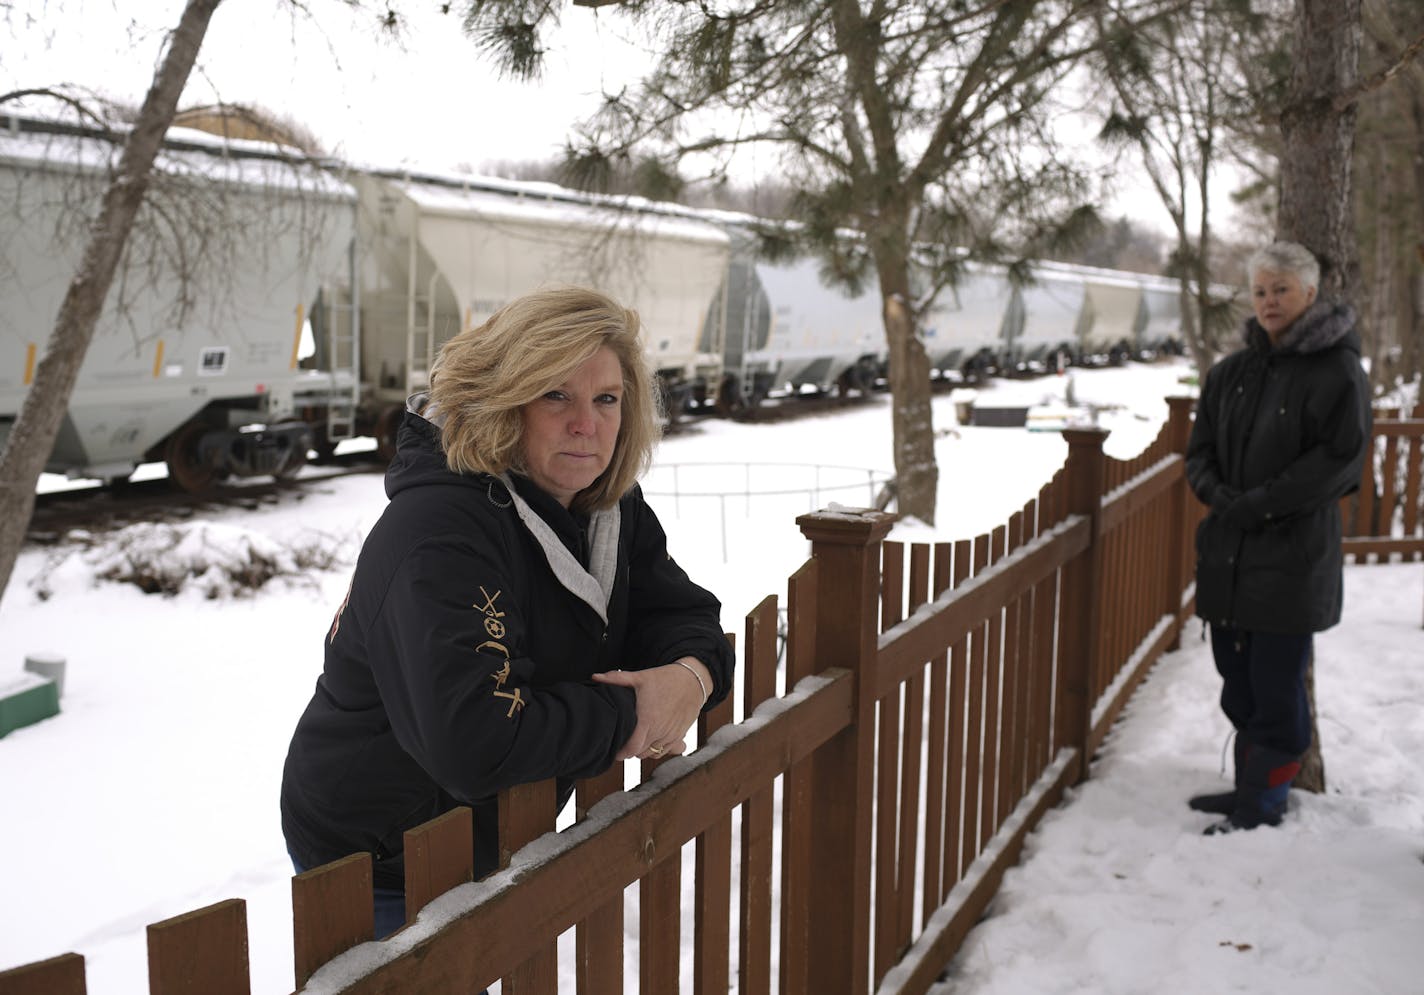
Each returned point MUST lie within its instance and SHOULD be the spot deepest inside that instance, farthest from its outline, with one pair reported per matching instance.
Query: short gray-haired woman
(1281, 433)
(515, 614)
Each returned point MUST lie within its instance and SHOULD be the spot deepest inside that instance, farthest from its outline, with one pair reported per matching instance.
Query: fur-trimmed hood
(1324, 324)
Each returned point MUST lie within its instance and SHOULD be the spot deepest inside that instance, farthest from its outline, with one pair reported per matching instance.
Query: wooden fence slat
(989, 812)
(62, 975)
(659, 911)
(1365, 506)
(758, 814)
(1045, 598)
(957, 820)
(1412, 485)
(660, 925)
(911, 751)
(797, 944)
(974, 723)
(712, 878)
(1010, 782)
(598, 940)
(887, 771)
(936, 756)
(526, 812)
(203, 952)
(332, 911)
(1389, 475)
(439, 855)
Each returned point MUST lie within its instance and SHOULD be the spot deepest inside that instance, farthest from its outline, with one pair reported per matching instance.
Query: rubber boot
(1223, 802)
(1263, 788)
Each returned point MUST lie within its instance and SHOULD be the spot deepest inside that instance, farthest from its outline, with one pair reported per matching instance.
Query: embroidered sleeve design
(496, 630)
(336, 619)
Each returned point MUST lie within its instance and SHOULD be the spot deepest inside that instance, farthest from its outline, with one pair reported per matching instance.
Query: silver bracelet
(695, 677)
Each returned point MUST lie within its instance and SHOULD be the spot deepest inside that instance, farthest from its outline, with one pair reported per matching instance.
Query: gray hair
(1285, 257)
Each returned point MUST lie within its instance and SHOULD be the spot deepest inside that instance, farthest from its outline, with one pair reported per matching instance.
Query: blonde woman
(514, 614)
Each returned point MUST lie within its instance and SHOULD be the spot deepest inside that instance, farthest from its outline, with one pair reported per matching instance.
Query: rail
(936, 700)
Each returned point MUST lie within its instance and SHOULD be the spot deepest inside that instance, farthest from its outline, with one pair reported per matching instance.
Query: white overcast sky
(426, 97)
(427, 100)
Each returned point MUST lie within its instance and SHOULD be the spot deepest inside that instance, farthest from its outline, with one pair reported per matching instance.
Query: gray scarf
(593, 586)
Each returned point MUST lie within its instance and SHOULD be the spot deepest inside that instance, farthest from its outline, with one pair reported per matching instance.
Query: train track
(102, 509)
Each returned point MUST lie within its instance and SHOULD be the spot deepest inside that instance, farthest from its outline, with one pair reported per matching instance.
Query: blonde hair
(484, 376)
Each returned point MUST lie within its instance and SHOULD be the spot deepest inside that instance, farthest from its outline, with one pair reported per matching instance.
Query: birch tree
(32, 436)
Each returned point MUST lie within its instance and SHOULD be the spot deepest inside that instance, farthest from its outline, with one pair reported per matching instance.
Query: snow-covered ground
(154, 792)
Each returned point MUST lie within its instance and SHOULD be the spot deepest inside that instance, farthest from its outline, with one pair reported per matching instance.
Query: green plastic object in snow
(26, 700)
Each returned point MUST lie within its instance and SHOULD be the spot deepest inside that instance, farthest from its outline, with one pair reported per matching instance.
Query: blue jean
(390, 904)
(1263, 686)
(390, 908)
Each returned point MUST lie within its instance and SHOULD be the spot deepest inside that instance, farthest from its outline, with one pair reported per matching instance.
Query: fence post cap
(1085, 436)
(846, 526)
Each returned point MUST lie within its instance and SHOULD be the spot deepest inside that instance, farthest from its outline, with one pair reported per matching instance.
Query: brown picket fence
(848, 825)
(1385, 519)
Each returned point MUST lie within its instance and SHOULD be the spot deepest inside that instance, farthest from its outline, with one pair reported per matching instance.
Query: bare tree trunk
(916, 475)
(1316, 199)
(32, 436)
(1194, 328)
(912, 418)
(1412, 290)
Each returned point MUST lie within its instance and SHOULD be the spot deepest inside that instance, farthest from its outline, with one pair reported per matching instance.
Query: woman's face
(570, 432)
(1279, 299)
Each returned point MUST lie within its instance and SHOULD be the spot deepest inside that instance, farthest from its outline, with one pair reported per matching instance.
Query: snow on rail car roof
(60, 145)
(520, 200)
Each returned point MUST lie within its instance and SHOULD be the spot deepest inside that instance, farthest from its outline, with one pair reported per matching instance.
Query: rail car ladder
(343, 339)
(420, 338)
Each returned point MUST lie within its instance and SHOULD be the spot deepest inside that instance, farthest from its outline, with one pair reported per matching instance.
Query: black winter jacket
(1280, 437)
(459, 664)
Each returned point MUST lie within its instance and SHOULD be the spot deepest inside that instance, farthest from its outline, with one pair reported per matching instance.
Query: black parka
(1287, 428)
(459, 664)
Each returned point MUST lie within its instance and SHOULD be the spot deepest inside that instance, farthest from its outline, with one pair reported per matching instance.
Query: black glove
(1240, 514)
(1224, 497)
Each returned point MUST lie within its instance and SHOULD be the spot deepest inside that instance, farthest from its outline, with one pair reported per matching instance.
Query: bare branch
(1407, 57)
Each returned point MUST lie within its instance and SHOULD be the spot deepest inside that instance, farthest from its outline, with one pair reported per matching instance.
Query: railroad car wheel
(292, 465)
(730, 403)
(184, 467)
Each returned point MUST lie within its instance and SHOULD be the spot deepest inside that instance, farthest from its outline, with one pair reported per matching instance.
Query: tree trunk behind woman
(1318, 125)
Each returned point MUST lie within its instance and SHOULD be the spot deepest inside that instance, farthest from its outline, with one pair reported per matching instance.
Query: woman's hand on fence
(669, 700)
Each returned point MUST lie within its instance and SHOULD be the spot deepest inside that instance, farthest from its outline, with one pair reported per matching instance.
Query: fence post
(1081, 595)
(1178, 566)
(846, 547)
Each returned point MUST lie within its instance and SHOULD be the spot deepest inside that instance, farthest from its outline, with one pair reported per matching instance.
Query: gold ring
(655, 751)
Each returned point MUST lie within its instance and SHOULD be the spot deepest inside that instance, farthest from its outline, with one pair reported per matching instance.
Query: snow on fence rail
(936, 700)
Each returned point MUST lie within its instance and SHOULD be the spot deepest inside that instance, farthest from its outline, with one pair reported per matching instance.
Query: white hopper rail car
(966, 326)
(1048, 316)
(1113, 319)
(213, 388)
(443, 253)
(786, 330)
